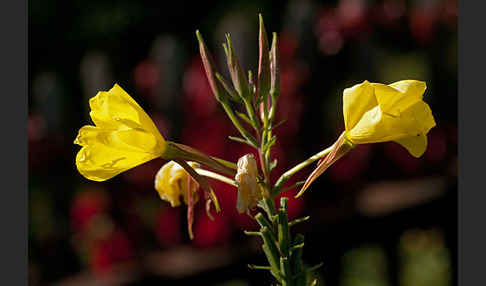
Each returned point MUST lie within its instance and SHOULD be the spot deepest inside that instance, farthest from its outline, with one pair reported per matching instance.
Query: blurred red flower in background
(168, 226)
(353, 18)
(422, 21)
(146, 76)
(207, 232)
(106, 252)
(198, 99)
(86, 205)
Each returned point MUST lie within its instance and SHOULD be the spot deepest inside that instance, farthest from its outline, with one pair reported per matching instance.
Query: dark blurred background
(378, 216)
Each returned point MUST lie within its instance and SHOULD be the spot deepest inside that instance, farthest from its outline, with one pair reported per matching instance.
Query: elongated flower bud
(274, 68)
(263, 82)
(237, 75)
(210, 68)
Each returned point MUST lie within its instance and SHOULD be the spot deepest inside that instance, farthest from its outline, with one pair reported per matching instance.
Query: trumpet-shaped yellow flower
(249, 192)
(375, 112)
(123, 137)
(172, 182)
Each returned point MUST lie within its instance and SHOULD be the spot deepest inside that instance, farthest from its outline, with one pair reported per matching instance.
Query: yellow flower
(172, 182)
(374, 112)
(249, 192)
(123, 137)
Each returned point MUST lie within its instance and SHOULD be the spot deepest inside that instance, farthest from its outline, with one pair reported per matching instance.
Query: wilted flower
(249, 192)
(123, 137)
(172, 183)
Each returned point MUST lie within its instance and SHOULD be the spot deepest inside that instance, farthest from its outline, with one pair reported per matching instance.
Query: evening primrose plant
(124, 136)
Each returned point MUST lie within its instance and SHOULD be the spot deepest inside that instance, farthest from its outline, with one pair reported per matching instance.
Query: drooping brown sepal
(340, 148)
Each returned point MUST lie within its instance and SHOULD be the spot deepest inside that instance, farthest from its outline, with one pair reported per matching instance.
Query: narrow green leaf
(244, 117)
(241, 140)
(298, 184)
(256, 233)
(279, 123)
(295, 247)
(273, 164)
(263, 222)
(315, 267)
(258, 267)
(269, 143)
(299, 220)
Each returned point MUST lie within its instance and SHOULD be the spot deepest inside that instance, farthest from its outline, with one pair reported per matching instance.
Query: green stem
(225, 163)
(216, 176)
(287, 175)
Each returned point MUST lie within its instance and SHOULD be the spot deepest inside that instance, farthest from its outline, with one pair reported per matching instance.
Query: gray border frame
(471, 98)
(13, 115)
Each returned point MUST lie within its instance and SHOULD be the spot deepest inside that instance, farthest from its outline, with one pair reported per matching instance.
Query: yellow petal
(129, 139)
(416, 145)
(115, 109)
(377, 126)
(99, 162)
(417, 119)
(399, 96)
(410, 86)
(106, 153)
(356, 101)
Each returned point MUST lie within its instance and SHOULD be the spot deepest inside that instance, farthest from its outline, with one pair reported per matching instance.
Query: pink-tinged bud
(209, 67)
(237, 75)
(263, 81)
